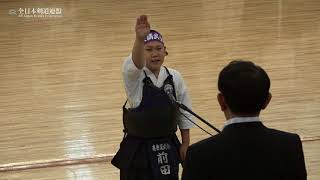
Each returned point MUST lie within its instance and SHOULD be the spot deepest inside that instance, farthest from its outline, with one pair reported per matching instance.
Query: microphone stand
(182, 106)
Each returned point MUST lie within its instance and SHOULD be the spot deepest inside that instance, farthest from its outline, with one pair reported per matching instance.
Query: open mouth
(155, 61)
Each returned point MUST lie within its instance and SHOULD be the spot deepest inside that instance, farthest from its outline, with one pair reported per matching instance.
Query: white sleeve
(184, 98)
(132, 81)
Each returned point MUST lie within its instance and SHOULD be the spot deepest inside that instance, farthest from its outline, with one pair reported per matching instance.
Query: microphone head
(168, 89)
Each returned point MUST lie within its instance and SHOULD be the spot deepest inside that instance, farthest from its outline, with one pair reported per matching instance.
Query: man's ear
(165, 50)
(267, 101)
(222, 102)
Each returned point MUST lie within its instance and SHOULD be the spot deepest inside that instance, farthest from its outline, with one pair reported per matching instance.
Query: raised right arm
(142, 30)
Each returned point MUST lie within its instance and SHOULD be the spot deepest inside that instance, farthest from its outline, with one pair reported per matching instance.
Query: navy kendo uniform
(150, 147)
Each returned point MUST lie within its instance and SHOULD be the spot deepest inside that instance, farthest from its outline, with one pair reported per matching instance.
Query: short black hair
(245, 86)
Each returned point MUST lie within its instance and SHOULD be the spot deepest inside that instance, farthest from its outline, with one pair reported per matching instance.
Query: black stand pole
(182, 106)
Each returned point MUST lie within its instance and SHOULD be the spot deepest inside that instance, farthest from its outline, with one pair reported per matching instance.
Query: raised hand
(142, 27)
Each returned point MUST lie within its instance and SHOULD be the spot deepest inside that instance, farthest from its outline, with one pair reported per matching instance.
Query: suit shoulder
(204, 144)
(283, 138)
(284, 134)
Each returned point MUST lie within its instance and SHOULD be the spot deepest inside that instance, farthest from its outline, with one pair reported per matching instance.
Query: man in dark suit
(245, 149)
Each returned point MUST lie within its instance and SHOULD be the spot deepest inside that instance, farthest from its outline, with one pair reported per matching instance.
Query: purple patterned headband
(153, 36)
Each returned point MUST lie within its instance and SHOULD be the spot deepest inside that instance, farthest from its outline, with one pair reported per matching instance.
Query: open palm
(142, 27)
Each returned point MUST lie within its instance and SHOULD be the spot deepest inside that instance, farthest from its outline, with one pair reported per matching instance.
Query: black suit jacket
(246, 151)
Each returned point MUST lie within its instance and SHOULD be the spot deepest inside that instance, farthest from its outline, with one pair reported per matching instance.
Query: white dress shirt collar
(241, 120)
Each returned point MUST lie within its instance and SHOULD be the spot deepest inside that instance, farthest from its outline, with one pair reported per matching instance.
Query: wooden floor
(61, 89)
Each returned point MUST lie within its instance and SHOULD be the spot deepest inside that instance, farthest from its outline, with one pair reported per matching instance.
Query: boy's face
(154, 52)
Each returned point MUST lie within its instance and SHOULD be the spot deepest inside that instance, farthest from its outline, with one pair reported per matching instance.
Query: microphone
(168, 89)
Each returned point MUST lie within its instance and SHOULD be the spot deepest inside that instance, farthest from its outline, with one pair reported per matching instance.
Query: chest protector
(156, 116)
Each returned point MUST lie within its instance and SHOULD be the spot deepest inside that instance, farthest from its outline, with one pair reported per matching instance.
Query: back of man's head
(245, 87)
